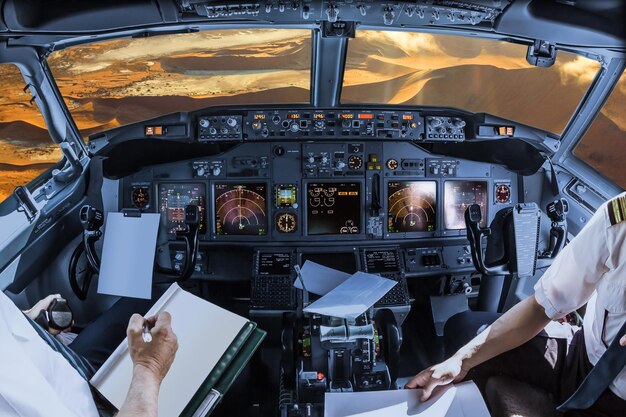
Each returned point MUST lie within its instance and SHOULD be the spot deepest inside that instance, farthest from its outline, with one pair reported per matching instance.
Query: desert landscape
(112, 83)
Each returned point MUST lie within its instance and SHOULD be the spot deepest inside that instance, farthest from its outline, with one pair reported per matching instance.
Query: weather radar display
(412, 206)
(241, 209)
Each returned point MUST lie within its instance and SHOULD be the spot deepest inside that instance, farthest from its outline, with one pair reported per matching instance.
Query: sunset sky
(118, 82)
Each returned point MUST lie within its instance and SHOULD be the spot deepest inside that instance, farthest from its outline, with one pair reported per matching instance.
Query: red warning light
(320, 376)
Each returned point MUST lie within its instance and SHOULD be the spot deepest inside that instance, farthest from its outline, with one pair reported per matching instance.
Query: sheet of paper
(352, 297)
(395, 403)
(470, 400)
(462, 400)
(128, 255)
(319, 279)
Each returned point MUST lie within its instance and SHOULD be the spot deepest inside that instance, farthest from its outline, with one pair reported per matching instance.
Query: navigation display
(241, 209)
(458, 196)
(333, 208)
(412, 206)
(174, 197)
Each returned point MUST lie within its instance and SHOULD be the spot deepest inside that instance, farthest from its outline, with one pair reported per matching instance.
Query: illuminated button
(373, 158)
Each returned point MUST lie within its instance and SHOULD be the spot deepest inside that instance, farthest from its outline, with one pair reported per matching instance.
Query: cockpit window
(117, 82)
(603, 146)
(26, 150)
(477, 75)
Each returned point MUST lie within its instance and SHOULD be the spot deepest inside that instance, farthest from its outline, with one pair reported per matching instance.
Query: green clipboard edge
(228, 368)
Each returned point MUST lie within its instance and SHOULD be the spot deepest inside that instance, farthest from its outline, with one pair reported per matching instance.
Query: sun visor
(78, 15)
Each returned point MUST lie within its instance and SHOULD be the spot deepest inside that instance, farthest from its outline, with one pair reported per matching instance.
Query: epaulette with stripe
(617, 210)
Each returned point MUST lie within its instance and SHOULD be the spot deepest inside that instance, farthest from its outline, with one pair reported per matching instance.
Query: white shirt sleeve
(573, 276)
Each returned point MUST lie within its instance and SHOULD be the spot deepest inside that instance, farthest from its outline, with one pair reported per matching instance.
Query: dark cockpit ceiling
(588, 22)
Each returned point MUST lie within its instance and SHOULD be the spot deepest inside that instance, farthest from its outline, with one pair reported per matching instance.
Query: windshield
(477, 75)
(113, 83)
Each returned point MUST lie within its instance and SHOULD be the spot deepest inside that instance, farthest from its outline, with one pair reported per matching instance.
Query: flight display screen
(458, 196)
(381, 261)
(174, 197)
(274, 264)
(334, 208)
(240, 209)
(412, 206)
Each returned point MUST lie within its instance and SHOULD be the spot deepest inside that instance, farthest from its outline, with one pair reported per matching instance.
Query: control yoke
(557, 212)
(519, 239)
(519, 236)
(192, 241)
(475, 234)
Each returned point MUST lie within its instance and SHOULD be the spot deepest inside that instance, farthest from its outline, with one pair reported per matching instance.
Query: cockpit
(453, 148)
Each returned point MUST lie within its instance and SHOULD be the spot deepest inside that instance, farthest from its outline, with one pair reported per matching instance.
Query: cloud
(581, 70)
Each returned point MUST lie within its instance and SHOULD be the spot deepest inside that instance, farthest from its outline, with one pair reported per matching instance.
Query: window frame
(584, 117)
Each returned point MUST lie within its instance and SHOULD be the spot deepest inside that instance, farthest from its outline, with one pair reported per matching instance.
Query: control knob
(436, 122)
(324, 159)
(346, 123)
(311, 159)
(294, 127)
(339, 165)
(200, 171)
(459, 123)
(213, 131)
(204, 123)
(216, 171)
(232, 122)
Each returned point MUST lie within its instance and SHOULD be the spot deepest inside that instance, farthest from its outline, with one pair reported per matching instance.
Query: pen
(147, 336)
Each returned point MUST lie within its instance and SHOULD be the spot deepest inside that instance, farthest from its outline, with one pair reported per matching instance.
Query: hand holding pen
(152, 343)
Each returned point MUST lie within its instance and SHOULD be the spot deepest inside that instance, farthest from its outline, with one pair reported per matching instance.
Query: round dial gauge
(286, 223)
(141, 197)
(503, 194)
(355, 162)
(392, 164)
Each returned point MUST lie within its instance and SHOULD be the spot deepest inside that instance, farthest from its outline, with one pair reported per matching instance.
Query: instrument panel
(305, 191)
(307, 175)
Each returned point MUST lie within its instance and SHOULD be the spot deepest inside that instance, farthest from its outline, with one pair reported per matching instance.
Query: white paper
(204, 332)
(319, 279)
(352, 297)
(462, 400)
(128, 255)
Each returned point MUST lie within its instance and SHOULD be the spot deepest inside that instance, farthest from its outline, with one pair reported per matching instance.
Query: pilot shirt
(34, 379)
(592, 269)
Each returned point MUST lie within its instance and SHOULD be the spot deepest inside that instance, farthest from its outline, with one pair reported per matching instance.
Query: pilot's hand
(444, 373)
(155, 356)
(622, 341)
(43, 305)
